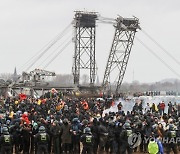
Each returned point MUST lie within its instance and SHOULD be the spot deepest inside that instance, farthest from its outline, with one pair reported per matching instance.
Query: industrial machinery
(35, 77)
(84, 24)
(85, 34)
(125, 29)
(84, 56)
(29, 81)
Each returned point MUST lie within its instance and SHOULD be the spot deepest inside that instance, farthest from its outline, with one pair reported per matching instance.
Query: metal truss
(125, 30)
(85, 34)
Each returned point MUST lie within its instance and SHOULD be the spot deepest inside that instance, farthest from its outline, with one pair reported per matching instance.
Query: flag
(22, 96)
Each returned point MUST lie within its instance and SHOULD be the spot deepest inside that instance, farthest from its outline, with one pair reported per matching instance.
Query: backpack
(7, 139)
(129, 133)
(88, 139)
(43, 137)
(173, 134)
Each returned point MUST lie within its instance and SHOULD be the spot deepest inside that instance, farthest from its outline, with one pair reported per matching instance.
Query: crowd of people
(64, 125)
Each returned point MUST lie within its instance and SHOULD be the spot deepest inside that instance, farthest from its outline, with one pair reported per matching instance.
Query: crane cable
(105, 21)
(65, 46)
(105, 18)
(23, 66)
(53, 51)
(162, 61)
(164, 50)
(49, 46)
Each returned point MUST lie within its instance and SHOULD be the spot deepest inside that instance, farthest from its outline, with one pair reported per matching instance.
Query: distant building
(97, 81)
(15, 75)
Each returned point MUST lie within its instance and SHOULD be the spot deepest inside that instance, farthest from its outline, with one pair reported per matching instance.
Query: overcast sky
(27, 25)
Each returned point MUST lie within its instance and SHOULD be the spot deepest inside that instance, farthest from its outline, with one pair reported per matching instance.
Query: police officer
(171, 136)
(55, 129)
(111, 144)
(87, 140)
(6, 142)
(95, 132)
(15, 130)
(41, 140)
(76, 135)
(127, 132)
(34, 132)
(103, 135)
(26, 136)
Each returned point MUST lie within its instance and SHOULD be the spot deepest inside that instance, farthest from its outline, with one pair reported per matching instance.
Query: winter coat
(153, 147)
(66, 134)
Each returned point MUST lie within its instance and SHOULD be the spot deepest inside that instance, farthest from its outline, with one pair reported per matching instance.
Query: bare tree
(62, 80)
(6, 76)
(85, 79)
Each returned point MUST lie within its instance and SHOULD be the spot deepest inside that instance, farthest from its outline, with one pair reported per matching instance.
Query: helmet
(87, 130)
(95, 121)
(85, 122)
(111, 124)
(5, 130)
(48, 119)
(136, 117)
(65, 107)
(171, 127)
(8, 122)
(42, 129)
(16, 124)
(65, 121)
(127, 126)
(35, 125)
(75, 120)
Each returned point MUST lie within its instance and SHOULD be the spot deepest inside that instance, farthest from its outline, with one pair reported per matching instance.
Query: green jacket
(153, 147)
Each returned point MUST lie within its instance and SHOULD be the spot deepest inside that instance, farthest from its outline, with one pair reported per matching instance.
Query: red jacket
(162, 106)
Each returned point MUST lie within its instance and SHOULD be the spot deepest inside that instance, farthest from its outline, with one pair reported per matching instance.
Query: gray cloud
(26, 26)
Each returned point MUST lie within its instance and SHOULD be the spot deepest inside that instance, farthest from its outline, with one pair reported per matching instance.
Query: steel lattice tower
(84, 57)
(125, 29)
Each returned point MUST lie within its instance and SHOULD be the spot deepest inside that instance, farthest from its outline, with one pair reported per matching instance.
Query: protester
(59, 125)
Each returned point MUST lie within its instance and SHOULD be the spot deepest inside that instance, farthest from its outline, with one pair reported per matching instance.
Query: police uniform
(171, 136)
(41, 140)
(6, 142)
(127, 132)
(87, 140)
